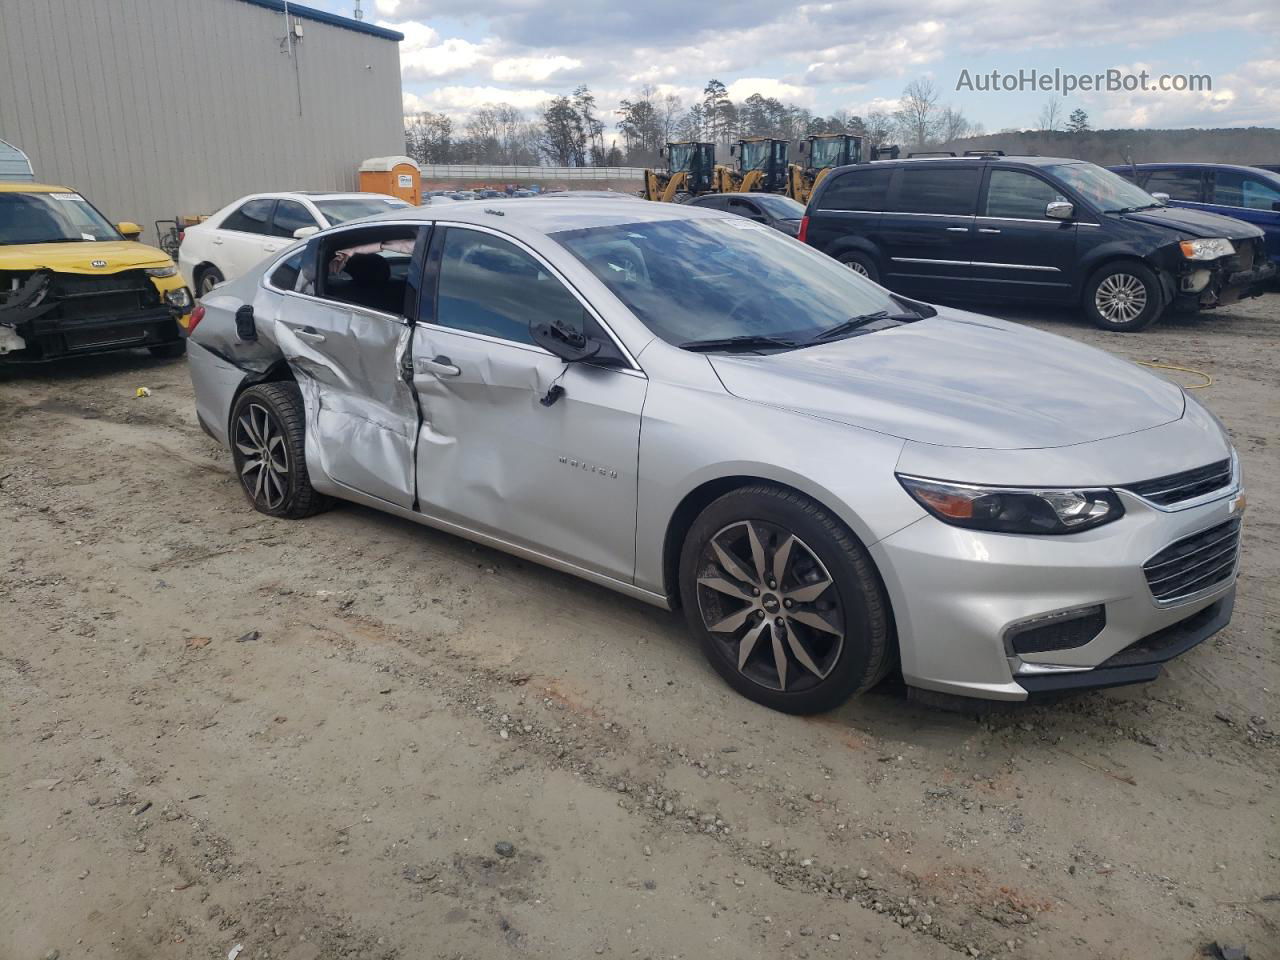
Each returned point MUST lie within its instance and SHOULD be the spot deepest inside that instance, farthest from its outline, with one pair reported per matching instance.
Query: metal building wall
(152, 108)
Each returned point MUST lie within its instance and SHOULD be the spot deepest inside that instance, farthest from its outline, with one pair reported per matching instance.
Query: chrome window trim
(908, 213)
(1022, 219)
(633, 368)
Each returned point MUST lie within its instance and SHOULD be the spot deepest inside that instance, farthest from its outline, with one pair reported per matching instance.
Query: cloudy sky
(841, 54)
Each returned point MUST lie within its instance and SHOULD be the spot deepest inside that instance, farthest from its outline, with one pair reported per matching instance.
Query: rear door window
(1014, 195)
(1178, 184)
(857, 190)
(290, 215)
(928, 188)
(252, 216)
(1234, 189)
(367, 267)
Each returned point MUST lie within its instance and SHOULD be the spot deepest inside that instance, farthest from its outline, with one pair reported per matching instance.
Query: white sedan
(243, 233)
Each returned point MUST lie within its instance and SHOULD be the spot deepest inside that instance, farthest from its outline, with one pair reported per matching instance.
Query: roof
(530, 214)
(26, 186)
(1028, 161)
(383, 164)
(332, 19)
(1165, 164)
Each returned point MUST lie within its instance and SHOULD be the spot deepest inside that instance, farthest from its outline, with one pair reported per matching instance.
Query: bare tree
(1051, 114)
(878, 127)
(954, 125)
(918, 115)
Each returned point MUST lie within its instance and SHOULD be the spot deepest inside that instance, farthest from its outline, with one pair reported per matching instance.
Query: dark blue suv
(1036, 229)
(1251, 194)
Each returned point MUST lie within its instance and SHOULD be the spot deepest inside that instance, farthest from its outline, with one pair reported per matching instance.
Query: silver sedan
(833, 481)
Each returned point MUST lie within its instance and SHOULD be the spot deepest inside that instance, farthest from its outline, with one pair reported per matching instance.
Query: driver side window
(492, 287)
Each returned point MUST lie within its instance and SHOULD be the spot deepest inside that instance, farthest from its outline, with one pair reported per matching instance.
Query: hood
(1195, 223)
(961, 380)
(78, 257)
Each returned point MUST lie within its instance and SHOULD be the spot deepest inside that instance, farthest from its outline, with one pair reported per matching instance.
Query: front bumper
(1219, 283)
(958, 595)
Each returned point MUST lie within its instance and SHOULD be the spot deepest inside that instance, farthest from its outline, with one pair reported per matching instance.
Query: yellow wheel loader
(762, 166)
(819, 155)
(691, 171)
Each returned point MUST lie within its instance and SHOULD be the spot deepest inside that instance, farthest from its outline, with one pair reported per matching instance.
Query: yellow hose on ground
(1208, 380)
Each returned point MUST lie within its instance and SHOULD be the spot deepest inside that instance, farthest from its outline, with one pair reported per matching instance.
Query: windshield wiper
(748, 341)
(1147, 206)
(853, 323)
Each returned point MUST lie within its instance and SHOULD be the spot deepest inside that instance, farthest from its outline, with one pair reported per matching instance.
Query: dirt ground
(355, 737)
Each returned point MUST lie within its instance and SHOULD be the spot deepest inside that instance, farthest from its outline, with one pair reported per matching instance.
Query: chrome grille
(1194, 563)
(1178, 487)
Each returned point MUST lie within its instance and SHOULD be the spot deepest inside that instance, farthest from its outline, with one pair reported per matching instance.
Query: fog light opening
(1064, 630)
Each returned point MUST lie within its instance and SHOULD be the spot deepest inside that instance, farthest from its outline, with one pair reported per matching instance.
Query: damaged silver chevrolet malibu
(832, 481)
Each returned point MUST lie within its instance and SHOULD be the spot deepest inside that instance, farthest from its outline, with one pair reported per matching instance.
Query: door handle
(957, 229)
(441, 366)
(987, 230)
(307, 333)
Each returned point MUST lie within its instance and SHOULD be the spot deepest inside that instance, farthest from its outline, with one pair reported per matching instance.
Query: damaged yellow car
(72, 283)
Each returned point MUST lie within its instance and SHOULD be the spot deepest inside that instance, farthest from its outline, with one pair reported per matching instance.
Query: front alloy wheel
(767, 597)
(784, 600)
(1120, 298)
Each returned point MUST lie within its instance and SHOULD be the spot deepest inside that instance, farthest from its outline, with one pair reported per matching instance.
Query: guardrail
(480, 171)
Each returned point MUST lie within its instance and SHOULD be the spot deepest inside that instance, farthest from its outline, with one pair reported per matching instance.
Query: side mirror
(1161, 198)
(567, 344)
(1059, 210)
(129, 230)
(303, 232)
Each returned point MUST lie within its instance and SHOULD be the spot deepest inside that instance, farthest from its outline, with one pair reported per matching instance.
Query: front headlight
(1014, 509)
(1209, 249)
(169, 271)
(180, 298)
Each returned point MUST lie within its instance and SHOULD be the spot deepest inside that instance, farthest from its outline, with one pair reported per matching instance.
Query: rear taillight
(193, 321)
(803, 235)
(182, 235)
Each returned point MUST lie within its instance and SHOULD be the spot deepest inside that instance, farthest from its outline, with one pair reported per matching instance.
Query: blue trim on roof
(332, 19)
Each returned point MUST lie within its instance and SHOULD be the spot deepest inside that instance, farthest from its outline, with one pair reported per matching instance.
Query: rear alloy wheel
(268, 449)
(784, 600)
(1123, 297)
(210, 277)
(862, 265)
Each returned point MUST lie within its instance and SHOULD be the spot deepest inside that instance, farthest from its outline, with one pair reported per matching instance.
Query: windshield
(353, 208)
(783, 208)
(755, 154)
(680, 155)
(1102, 188)
(693, 280)
(51, 218)
(829, 152)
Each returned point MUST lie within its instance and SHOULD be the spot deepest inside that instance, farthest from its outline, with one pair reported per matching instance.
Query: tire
(842, 630)
(168, 351)
(1124, 296)
(206, 280)
(271, 415)
(862, 264)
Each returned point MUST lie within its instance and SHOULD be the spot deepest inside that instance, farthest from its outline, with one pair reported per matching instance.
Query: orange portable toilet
(394, 176)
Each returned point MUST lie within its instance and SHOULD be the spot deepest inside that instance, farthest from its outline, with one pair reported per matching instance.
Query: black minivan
(1033, 229)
